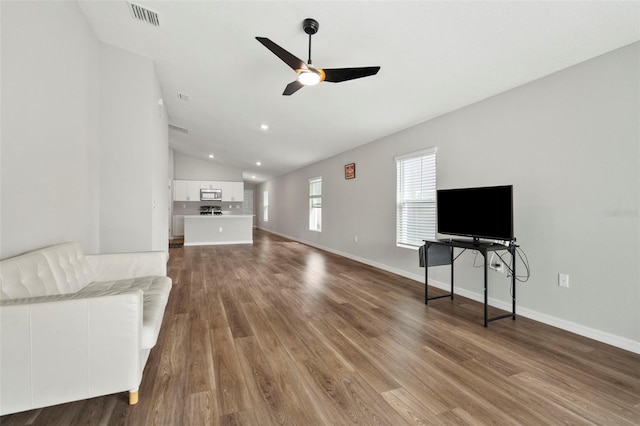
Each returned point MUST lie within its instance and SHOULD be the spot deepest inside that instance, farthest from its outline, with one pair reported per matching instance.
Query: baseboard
(591, 333)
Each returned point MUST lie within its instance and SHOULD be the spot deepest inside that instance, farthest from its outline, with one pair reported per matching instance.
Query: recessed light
(258, 163)
(210, 155)
(253, 177)
(264, 126)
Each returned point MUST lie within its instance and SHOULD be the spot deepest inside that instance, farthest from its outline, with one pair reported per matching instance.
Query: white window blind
(416, 198)
(315, 204)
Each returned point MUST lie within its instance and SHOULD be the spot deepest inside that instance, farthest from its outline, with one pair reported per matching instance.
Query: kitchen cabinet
(214, 230)
(178, 225)
(226, 190)
(210, 184)
(189, 190)
(232, 191)
(237, 191)
(186, 190)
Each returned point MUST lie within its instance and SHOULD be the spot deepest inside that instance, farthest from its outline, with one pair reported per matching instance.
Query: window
(265, 206)
(416, 198)
(315, 204)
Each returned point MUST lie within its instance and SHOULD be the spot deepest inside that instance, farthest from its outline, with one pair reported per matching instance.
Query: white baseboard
(591, 333)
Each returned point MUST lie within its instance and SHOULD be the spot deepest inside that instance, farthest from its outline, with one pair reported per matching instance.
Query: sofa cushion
(155, 295)
(28, 275)
(58, 269)
(70, 268)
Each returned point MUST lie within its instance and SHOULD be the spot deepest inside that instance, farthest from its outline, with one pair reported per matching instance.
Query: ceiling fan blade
(288, 58)
(292, 88)
(336, 75)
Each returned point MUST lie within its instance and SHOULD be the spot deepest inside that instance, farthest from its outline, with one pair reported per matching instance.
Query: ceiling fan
(307, 74)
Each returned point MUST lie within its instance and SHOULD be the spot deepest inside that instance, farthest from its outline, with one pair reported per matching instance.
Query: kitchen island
(202, 230)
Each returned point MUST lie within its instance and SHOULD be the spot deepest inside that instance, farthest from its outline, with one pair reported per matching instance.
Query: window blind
(416, 198)
(315, 204)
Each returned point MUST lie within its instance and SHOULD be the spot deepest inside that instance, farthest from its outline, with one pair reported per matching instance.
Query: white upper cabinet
(186, 190)
(210, 184)
(226, 190)
(189, 190)
(237, 191)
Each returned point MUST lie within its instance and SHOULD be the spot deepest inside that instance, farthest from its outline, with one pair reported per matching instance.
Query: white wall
(159, 144)
(569, 143)
(84, 148)
(133, 155)
(171, 163)
(191, 168)
(50, 127)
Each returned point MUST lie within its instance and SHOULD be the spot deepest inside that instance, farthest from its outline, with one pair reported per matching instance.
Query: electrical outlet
(563, 280)
(496, 264)
(498, 267)
(355, 238)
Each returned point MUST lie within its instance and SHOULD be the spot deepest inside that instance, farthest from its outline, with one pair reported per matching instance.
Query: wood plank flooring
(280, 333)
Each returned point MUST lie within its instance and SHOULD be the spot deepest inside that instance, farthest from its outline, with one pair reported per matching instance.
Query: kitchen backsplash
(193, 207)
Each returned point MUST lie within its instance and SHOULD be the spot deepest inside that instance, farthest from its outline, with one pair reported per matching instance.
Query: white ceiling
(435, 57)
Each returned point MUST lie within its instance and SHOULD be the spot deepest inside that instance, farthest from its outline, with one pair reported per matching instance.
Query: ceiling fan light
(309, 78)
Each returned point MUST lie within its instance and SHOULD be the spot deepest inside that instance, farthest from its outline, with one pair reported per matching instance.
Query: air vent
(178, 129)
(146, 15)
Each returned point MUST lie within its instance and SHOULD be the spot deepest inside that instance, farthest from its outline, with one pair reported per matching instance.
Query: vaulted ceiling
(435, 57)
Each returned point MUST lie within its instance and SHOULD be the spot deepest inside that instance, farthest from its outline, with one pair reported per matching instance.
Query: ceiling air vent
(146, 15)
(178, 129)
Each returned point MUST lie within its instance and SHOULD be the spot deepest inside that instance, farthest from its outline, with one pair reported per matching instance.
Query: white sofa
(75, 326)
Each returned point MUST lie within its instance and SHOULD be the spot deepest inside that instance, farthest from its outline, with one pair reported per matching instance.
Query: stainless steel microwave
(211, 195)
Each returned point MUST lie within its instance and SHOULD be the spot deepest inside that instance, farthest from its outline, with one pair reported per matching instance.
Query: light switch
(563, 280)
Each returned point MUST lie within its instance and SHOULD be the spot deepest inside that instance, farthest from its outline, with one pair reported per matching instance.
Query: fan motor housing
(310, 26)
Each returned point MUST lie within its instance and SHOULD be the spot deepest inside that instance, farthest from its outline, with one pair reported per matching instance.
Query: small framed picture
(350, 171)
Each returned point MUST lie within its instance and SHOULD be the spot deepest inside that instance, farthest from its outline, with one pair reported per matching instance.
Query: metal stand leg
(426, 273)
(426, 276)
(484, 249)
(513, 283)
(513, 294)
(486, 293)
(451, 273)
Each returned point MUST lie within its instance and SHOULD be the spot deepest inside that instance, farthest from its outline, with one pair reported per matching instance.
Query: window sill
(406, 246)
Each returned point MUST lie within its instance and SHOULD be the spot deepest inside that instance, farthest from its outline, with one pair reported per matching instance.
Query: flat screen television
(485, 212)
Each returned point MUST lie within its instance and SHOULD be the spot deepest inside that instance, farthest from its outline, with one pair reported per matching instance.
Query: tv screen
(485, 212)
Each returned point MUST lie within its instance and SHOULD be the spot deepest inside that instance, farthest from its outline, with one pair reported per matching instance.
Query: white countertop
(219, 216)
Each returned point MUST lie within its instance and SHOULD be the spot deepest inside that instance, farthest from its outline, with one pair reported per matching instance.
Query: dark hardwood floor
(282, 333)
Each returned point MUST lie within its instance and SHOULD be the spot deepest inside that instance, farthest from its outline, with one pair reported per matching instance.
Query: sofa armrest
(68, 347)
(120, 266)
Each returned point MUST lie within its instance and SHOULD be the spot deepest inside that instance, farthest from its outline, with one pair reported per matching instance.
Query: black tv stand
(483, 248)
